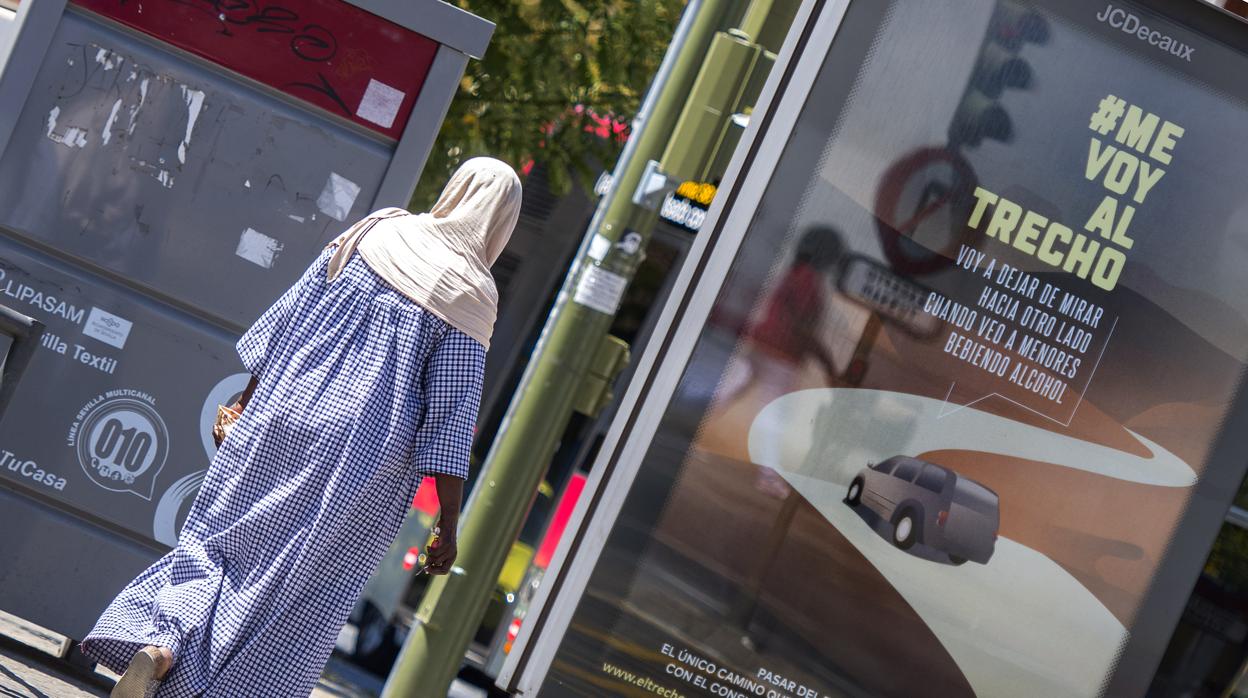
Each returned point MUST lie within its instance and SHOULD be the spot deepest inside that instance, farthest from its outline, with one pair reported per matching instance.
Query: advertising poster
(962, 380)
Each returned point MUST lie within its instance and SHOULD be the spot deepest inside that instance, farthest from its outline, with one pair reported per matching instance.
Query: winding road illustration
(1019, 626)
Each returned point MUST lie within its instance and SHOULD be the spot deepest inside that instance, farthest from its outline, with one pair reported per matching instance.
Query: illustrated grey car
(931, 504)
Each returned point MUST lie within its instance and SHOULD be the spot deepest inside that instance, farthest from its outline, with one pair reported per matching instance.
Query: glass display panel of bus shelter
(1006, 239)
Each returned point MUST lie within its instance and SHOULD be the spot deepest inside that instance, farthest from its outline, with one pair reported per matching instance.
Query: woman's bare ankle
(163, 657)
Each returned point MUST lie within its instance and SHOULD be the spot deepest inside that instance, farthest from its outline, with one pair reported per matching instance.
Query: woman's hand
(443, 549)
(218, 435)
(223, 423)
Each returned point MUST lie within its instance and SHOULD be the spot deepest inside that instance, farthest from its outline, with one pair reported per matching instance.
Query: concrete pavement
(29, 668)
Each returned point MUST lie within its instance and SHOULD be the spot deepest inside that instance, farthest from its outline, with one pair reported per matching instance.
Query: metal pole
(452, 606)
(679, 39)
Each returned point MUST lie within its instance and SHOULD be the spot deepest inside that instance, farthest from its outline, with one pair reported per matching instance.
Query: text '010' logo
(121, 441)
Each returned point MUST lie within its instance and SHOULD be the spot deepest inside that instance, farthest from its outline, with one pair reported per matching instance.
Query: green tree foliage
(553, 69)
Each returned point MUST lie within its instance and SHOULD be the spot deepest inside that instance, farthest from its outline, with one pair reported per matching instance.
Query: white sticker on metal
(600, 290)
(73, 137)
(107, 327)
(107, 132)
(194, 104)
(599, 247)
(380, 104)
(337, 197)
(258, 248)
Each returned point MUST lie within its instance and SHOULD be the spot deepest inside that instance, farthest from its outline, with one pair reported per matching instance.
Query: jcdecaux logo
(1130, 23)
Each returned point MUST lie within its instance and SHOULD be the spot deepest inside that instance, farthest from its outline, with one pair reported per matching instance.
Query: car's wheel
(957, 559)
(905, 528)
(855, 492)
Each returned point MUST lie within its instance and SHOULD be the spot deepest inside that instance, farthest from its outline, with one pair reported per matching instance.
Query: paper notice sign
(337, 197)
(380, 104)
(258, 248)
(600, 290)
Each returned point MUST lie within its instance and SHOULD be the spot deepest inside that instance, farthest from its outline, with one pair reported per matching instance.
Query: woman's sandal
(143, 675)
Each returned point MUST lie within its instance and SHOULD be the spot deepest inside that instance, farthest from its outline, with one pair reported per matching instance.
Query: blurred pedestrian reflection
(786, 334)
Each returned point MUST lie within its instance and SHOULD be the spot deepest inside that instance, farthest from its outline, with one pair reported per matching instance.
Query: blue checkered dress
(361, 393)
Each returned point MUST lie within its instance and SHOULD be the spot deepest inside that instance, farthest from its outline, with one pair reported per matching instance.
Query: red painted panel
(326, 52)
(559, 522)
(426, 499)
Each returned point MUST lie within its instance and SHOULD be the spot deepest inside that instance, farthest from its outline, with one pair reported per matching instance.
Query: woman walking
(366, 377)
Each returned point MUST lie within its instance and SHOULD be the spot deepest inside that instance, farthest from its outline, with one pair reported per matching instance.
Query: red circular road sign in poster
(921, 188)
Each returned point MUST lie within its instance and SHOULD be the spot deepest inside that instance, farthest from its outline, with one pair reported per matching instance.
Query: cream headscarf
(442, 259)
